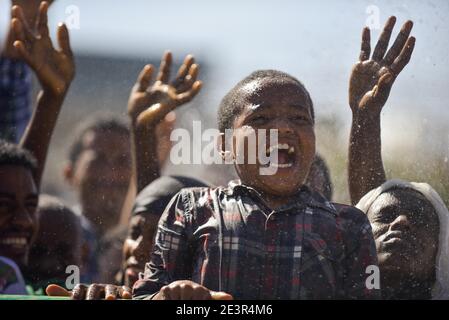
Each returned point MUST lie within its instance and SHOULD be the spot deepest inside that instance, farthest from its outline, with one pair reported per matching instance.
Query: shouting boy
(265, 236)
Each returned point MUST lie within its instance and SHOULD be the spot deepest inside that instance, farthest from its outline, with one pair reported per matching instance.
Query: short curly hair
(100, 122)
(231, 105)
(12, 154)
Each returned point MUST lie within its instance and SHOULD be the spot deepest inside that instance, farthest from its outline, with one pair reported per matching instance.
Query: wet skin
(18, 221)
(284, 107)
(406, 229)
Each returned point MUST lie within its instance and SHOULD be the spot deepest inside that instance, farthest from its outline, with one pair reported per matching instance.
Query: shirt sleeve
(15, 98)
(171, 258)
(362, 272)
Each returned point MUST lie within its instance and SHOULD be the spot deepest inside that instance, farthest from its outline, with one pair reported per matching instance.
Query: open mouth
(15, 243)
(286, 156)
(394, 236)
(398, 238)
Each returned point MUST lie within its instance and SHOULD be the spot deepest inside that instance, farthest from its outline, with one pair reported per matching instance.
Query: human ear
(222, 147)
(68, 171)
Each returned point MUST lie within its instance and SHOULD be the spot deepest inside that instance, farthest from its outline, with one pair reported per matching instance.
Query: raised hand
(30, 8)
(55, 69)
(149, 104)
(371, 79)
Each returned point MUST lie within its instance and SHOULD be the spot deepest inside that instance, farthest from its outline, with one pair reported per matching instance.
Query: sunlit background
(316, 41)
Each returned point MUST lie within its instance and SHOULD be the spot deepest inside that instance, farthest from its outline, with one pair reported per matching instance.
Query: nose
(284, 126)
(22, 219)
(401, 223)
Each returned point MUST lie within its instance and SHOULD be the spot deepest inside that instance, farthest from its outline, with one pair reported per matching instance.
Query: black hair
(12, 154)
(231, 105)
(157, 195)
(54, 208)
(102, 122)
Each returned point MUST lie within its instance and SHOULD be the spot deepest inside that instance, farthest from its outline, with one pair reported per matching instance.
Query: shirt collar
(302, 199)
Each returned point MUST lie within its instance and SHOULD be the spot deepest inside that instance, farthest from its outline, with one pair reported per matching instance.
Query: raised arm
(15, 86)
(55, 70)
(369, 87)
(150, 106)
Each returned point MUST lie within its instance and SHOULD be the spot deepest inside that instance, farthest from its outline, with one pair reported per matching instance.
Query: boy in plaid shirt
(265, 236)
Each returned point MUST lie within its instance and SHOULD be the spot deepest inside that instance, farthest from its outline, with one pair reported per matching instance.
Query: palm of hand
(374, 74)
(162, 93)
(55, 69)
(364, 77)
(148, 104)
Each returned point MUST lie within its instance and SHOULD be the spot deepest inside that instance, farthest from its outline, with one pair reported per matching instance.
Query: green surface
(19, 297)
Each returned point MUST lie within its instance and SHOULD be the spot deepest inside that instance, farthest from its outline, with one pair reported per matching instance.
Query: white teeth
(291, 150)
(281, 165)
(14, 241)
(281, 146)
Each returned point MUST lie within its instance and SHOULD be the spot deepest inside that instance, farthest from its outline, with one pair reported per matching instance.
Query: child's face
(18, 222)
(283, 107)
(57, 246)
(138, 245)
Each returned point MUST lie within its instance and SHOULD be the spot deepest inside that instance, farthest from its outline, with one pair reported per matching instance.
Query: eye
(259, 120)
(5, 206)
(385, 217)
(135, 232)
(301, 119)
(31, 205)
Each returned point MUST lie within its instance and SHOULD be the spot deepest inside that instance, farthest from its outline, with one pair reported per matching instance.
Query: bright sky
(317, 41)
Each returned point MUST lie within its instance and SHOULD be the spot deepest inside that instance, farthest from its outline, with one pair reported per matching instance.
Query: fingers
(23, 53)
(144, 79)
(399, 43)
(124, 292)
(111, 292)
(95, 292)
(54, 290)
(17, 29)
(79, 292)
(384, 39)
(170, 293)
(42, 19)
(190, 78)
(185, 292)
(164, 69)
(366, 45)
(189, 95)
(17, 13)
(383, 87)
(404, 57)
(183, 70)
(201, 293)
(220, 296)
(64, 40)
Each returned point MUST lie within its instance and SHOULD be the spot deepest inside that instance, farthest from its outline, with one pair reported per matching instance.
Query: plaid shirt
(15, 98)
(228, 240)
